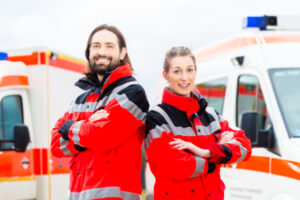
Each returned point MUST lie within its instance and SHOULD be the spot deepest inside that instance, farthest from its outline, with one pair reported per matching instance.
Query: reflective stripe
(200, 164)
(75, 131)
(107, 99)
(243, 150)
(86, 107)
(207, 130)
(92, 106)
(131, 107)
(176, 130)
(107, 192)
(155, 133)
(63, 147)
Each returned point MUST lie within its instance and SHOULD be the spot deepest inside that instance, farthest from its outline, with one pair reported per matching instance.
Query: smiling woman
(186, 141)
(180, 70)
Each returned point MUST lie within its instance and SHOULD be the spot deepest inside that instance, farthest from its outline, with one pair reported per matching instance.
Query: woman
(186, 141)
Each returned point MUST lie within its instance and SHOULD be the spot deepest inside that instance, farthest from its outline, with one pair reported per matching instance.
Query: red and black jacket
(106, 154)
(179, 173)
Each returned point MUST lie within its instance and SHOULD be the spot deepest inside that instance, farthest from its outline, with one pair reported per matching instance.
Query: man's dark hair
(121, 41)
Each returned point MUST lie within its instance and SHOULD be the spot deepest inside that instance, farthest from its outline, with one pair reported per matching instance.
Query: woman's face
(181, 75)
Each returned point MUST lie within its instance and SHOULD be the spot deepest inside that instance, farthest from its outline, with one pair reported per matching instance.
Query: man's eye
(95, 46)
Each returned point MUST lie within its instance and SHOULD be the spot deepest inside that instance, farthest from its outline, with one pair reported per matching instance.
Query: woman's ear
(164, 73)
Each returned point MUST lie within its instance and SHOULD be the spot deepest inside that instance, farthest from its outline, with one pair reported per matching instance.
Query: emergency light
(272, 22)
(3, 56)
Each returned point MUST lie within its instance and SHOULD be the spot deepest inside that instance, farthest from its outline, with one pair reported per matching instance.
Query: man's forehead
(105, 36)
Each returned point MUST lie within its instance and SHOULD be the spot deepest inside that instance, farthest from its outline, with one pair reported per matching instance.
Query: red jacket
(106, 154)
(179, 173)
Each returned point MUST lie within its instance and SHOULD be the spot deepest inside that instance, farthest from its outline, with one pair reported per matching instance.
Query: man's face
(105, 54)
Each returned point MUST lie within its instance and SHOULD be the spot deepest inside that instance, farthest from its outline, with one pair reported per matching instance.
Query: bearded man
(103, 129)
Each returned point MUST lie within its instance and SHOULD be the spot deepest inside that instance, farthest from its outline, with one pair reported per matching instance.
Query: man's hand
(101, 114)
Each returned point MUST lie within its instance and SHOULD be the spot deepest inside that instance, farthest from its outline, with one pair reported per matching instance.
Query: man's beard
(101, 69)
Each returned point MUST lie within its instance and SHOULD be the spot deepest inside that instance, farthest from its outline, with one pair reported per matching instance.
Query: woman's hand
(183, 145)
(226, 136)
(101, 114)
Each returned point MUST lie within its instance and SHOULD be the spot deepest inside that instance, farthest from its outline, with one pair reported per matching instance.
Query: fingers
(226, 136)
(101, 114)
(176, 142)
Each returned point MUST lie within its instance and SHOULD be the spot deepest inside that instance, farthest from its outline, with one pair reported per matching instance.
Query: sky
(150, 27)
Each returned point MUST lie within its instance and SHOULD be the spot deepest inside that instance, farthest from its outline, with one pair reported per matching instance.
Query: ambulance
(36, 87)
(253, 80)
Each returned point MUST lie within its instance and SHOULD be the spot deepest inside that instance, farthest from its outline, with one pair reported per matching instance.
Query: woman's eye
(190, 70)
(176, 71)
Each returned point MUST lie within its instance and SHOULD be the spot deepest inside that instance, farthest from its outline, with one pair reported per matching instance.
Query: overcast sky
(150, 27)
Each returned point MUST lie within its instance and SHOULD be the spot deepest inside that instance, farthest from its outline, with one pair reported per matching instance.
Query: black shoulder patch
(82, 98)
(153, 119)
(137, 95)
(178, 117)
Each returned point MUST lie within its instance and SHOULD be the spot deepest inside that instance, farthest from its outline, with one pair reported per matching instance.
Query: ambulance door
(252, 179)
(17, 180)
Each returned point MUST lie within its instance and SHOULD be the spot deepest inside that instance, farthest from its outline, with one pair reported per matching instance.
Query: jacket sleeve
(167, 160)
(235, 150)
(127, 113)
(61, 147)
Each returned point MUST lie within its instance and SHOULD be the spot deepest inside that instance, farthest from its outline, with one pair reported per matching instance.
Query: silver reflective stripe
(130, 196)
(200, 164)
(86, 107)
(207, 130)
(131, 107)
(107, 99)
(187, 131)
(243, 150)
(107, 192)
(213, 112)
(63, 147)
(75, 131)
(155, 133)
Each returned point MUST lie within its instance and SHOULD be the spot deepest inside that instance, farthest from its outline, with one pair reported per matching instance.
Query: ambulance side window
(250, 97)
(214, 92)
(11, 113)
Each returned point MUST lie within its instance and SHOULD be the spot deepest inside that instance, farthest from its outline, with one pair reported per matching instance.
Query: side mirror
(249, 123)
(258, 138)
(21, 137)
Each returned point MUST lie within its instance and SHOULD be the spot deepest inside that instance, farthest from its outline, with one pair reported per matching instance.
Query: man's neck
(100, 77)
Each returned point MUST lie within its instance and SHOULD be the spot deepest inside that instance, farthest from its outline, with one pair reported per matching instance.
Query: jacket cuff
(217, 153)
(64, 129)
(79, 148)
(211, 167)
(228, 154)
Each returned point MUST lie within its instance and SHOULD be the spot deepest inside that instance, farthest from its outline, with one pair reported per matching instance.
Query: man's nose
(101, 50)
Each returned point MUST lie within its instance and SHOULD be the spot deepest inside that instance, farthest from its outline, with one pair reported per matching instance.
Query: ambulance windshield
(286, 85)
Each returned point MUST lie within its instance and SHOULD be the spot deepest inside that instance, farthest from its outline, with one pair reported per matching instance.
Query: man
(103, 129)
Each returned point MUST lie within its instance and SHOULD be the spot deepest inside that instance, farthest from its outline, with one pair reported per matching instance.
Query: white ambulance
(36, 87)
(253, 80)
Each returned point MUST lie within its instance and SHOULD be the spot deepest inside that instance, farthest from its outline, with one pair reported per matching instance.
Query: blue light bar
(3, 56)
(255, 22)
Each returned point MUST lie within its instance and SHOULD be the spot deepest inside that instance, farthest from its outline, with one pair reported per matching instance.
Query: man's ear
(123, 53)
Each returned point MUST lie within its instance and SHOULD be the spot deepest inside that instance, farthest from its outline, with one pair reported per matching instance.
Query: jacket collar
(108, 78)
(190, 105)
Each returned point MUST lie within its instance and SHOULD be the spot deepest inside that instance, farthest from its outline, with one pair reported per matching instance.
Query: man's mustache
(101, 56)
